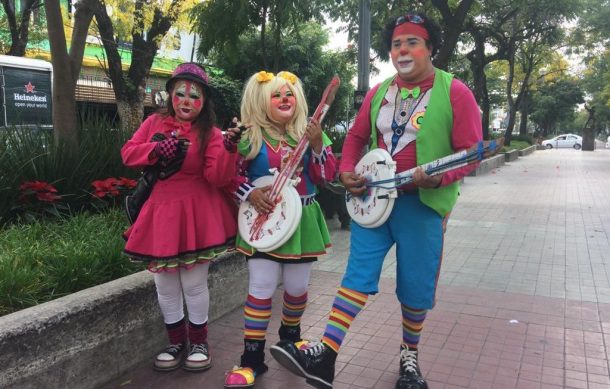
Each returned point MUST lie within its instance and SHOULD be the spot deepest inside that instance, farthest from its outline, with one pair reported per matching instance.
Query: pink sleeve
(219, 165)
(358, 136)
(467, 127)
(136, 151)
(322, 167)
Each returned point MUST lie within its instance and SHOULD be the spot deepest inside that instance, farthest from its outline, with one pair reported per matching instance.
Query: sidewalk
(523, 298)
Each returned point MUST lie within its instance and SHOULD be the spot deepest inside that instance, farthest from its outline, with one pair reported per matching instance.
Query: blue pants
(417, 231)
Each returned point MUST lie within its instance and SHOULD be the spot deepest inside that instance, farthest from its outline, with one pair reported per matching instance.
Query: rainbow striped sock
(293, 309)
(412, 324)
(257, 314)
(348, 303)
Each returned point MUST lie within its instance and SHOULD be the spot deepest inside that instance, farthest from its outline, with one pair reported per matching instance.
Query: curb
(64, 343)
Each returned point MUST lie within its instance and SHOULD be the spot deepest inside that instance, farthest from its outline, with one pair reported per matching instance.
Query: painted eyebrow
(408, 40)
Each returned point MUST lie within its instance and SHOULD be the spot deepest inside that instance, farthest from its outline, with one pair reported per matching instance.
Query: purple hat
(189, 71)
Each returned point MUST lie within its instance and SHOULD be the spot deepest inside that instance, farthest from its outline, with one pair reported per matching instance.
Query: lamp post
(364, 48)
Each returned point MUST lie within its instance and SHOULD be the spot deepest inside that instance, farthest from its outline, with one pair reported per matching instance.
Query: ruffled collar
(275, 142)
(173, 124)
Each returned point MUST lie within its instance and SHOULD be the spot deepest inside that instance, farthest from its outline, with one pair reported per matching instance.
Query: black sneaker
(198, 358)
(170, 358)
(410, 375)
(314, 361)
(291, 333)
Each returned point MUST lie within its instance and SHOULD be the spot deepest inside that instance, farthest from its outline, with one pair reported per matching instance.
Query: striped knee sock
(257, 314)
(293, 309)
(412, 324)
(348, 303)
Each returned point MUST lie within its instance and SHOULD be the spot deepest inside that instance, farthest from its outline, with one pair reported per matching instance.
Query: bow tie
(405, 92)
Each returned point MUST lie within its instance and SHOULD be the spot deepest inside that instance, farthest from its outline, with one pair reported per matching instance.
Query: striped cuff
(244, 191)
(319, 159)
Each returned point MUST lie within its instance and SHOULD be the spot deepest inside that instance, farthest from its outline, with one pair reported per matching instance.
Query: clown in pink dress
(189, 217)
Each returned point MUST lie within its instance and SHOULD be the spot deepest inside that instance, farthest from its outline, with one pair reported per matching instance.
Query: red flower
(47, 197)
(127, 183)
(112, 186)
(42, 190)
(107, 187)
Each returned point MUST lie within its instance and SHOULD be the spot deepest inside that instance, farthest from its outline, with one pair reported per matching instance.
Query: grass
(45, 260)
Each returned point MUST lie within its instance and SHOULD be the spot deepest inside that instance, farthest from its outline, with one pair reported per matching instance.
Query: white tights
(265, 274)
(193, 283)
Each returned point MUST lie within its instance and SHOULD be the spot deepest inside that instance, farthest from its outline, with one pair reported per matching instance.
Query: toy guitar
(377, 166)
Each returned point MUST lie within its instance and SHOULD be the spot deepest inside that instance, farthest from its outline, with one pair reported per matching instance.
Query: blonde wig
(256, 106)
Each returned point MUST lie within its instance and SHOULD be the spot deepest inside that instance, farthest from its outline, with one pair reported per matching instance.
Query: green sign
(26, 97)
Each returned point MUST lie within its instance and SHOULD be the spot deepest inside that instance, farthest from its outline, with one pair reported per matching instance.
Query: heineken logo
(34, 98)
(29, 88)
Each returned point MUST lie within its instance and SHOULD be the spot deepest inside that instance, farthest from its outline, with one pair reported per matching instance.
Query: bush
(44, 260)
(32, 156)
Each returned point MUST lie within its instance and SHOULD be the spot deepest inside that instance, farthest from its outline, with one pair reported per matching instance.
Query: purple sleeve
(467, 127)
(137, 151)
(358, 135)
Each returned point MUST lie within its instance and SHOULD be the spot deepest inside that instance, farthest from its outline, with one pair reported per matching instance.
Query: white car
(564, 141)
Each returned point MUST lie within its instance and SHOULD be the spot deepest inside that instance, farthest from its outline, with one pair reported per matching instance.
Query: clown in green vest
(419, 114)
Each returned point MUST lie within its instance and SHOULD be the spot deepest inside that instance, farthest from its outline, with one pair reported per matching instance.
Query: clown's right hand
(259, 198)
(353, 183)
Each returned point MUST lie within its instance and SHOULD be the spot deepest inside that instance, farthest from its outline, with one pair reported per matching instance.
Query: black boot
(315, 362)
(254, 356)
(290, 333)
(410, 375)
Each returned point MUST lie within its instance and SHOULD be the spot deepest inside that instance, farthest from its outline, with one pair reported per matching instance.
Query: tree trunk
(129, 90)
(588, 131)
(66, 67)
(524, 110)
(19, 34)
(477, 65)
(263, 38)
(65, 128)
(453, 25)
(131, 114)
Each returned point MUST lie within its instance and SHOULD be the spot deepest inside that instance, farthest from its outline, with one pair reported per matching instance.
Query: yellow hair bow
(290, 77)
(264, 76)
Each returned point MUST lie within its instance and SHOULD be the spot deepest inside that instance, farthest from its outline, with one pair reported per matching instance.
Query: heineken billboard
(26, 95)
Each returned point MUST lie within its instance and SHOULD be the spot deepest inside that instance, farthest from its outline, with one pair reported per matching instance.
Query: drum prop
(373, 208)
(268, 231)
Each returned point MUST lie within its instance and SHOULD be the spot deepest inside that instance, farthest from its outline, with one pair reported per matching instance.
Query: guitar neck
(450, 162)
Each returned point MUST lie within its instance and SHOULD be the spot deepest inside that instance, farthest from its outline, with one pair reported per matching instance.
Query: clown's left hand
(313, 132)
(422, 180)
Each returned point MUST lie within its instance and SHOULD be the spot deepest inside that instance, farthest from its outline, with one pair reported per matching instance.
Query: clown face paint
(411, 57)
(282, 107)
(187, 100)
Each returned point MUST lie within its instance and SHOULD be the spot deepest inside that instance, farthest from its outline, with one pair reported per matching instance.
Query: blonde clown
(255, 108)
(275, 112)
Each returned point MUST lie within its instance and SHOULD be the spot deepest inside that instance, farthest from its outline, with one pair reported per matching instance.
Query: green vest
(433, 140)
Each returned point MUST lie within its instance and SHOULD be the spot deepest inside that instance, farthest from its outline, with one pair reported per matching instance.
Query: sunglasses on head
(409, 18)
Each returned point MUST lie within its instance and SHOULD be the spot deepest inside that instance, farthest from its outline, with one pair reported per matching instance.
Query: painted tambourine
(280, 224)
(373, 208)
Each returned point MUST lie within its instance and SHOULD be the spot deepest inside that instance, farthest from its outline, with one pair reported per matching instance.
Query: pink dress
(189, 217)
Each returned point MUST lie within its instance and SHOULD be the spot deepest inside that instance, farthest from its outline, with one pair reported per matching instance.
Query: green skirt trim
(185, 262)
(311, 238)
